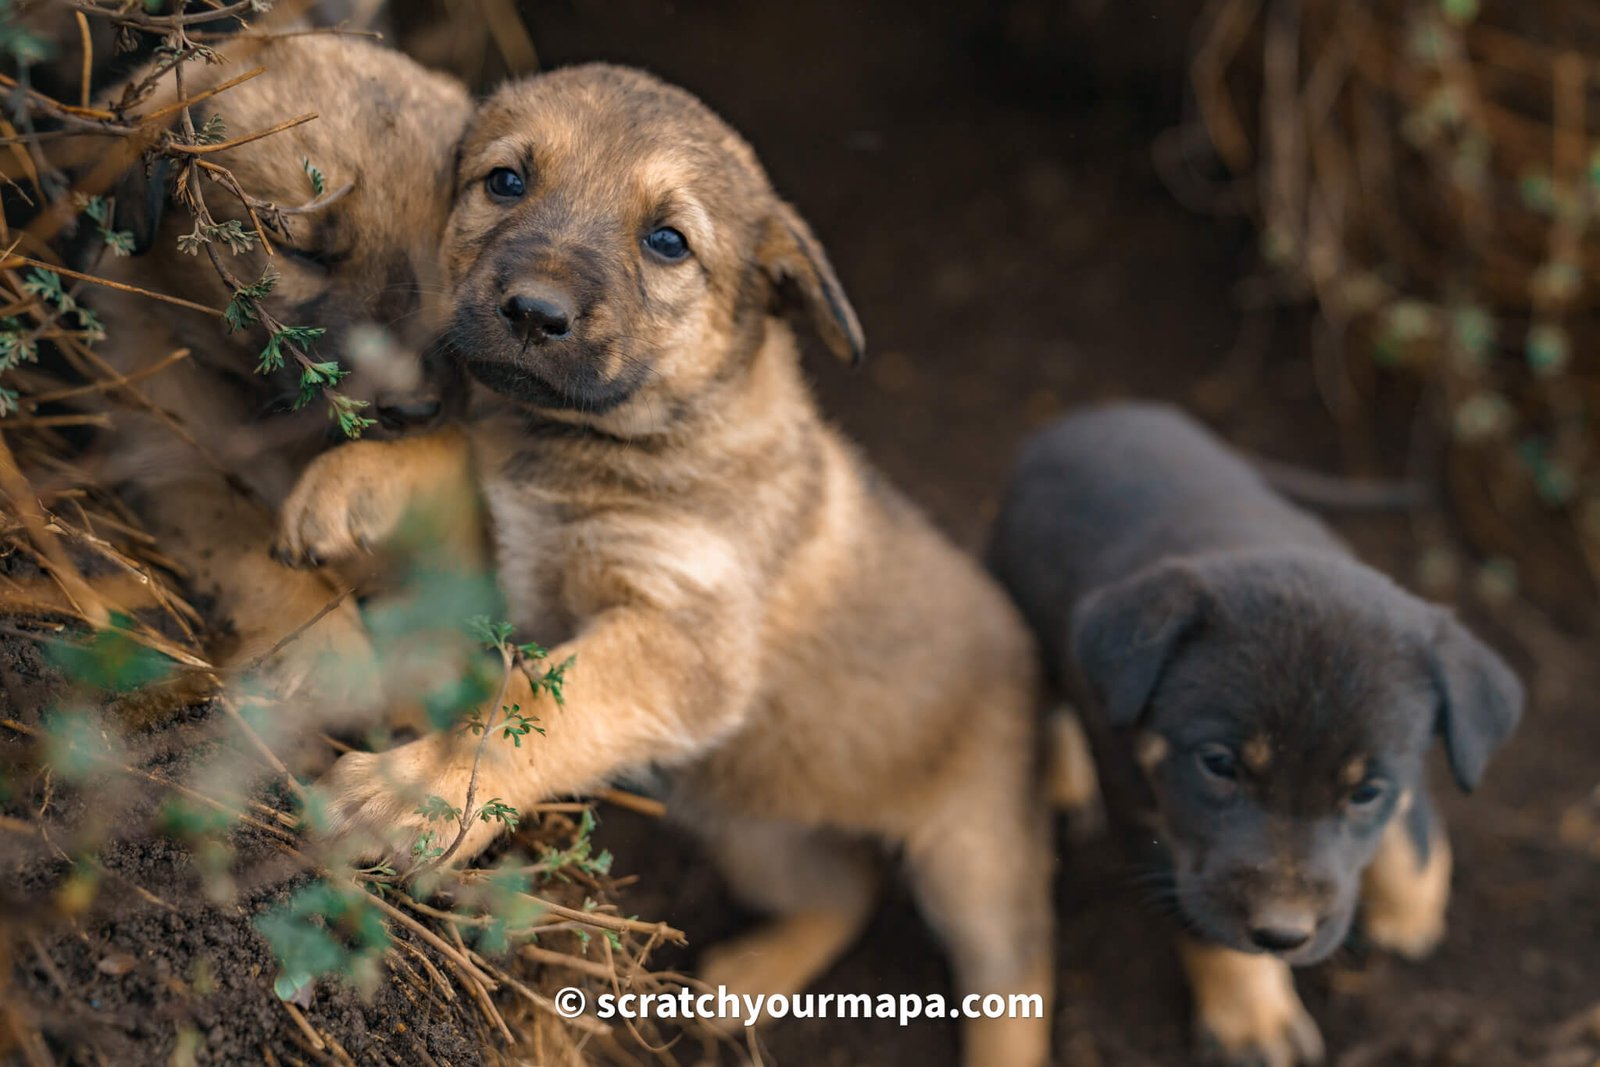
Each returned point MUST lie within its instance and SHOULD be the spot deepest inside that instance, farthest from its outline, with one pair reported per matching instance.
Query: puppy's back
(1108, 491)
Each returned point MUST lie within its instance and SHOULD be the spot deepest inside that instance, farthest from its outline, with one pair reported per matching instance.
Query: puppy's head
(357, 249)
(617, 249)
(1282, 705)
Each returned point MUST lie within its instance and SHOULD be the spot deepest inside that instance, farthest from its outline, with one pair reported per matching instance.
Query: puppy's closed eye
(314, 258)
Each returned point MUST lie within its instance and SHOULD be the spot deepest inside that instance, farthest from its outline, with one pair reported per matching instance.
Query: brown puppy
(356, 260)
(752, 609)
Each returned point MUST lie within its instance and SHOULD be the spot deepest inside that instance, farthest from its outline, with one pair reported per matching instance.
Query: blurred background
(1358, 235)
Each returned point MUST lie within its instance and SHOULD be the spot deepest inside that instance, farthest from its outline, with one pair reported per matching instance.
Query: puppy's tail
(1329, 492)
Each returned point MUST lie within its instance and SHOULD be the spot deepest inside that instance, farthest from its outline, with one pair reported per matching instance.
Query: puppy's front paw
(348, 500)
(404, 806)
(1247, 1013)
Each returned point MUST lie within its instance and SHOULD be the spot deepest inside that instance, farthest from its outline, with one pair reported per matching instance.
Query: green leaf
(491, 633)
(213, 131)
(111, 660)
(317, 182)
(323, 930)
(436, 809)
(241, 311)
(347, 413)
(555, 679)
(496, 809)
(233, 234)
(272, 355)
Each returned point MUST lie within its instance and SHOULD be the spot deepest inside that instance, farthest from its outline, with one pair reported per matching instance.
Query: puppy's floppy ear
(1123, 636)
(801, 275)
(1480, 699)
(141, 201)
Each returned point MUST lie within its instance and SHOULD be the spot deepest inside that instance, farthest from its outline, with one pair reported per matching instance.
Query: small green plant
(46, 286)
(497, 810)
(580, 855)
(437, 808)
(324, 929)
(110, 660)
(99, 211)
(241, 311)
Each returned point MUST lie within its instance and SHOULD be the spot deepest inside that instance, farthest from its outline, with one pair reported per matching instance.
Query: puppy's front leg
(1246, 1008)
(646, 686)
(1406, 888)
(369, 493)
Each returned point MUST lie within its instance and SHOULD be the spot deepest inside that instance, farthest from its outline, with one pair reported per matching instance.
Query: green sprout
(497, 810)
(241, 311)
(324, 929)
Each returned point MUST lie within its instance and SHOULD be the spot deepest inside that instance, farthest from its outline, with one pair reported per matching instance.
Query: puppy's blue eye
(1219, 761)
(505, 183)
(1367, 794)
(667, 243)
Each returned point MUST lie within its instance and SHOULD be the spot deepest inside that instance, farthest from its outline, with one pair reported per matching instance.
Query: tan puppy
(752, 609)
(355, 260)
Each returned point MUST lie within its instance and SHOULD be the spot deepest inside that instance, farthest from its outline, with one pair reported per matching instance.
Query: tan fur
(358, 266)
(1073, 781)
(750, 607)
(1151, 750)
(1246, 1006)
(1257, 754)
(1403, 899)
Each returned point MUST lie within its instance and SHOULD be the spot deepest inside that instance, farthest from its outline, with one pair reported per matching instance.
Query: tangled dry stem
(100, 571)
(1426, 171)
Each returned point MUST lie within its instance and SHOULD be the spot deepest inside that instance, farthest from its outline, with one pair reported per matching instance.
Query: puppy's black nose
(408, 414)
(536, 319)
(1279, 938)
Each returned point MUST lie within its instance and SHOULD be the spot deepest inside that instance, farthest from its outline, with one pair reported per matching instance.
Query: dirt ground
(996, 218)
(982, 178)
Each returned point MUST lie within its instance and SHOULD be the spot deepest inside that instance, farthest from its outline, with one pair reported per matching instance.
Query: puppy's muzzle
(537, 314)
(1282, 926)
(403, 413)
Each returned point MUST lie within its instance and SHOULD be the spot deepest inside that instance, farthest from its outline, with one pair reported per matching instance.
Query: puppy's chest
(532, 538)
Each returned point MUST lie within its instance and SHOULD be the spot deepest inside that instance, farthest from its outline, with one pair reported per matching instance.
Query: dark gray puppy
(1266, 699)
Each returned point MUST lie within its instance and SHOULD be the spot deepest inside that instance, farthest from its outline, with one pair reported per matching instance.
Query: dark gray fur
(1174, 592)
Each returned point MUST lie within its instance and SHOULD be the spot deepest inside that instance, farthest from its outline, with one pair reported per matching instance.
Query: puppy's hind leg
(1406, 888)
(1071, 778)
(819, 888)
(980, 866)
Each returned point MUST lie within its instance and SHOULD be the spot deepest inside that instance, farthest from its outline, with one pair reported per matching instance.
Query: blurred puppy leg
(1405, 890)
(820, 889)
(1246, 1008)
(981, 868)
(1072, 780)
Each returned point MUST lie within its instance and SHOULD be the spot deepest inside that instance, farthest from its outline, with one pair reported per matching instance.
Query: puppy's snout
(1282, 927)
(537, 316)
(408, 413)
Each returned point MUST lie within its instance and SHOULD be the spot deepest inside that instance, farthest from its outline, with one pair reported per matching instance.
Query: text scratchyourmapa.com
(751, 1008)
